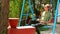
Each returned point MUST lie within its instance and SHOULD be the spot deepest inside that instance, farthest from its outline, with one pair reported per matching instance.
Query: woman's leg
(38, 27)
(37, 30)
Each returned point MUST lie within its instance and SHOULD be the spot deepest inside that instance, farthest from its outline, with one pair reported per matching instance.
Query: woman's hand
(49, 21)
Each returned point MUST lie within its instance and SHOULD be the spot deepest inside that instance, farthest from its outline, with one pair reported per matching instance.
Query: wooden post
(4, 16)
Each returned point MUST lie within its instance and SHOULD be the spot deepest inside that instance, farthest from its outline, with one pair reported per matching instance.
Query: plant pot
(13, 22)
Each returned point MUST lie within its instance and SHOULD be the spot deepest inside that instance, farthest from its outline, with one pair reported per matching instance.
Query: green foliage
(16, 6)
(53, 2)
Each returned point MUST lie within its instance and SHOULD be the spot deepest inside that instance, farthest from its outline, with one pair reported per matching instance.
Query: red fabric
(21, 31)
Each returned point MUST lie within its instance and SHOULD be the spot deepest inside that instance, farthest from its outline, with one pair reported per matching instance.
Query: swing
(55, 17)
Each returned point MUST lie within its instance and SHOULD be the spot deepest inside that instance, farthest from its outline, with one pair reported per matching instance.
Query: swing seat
(47, 26)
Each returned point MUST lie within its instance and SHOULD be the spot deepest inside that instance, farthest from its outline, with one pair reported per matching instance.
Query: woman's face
(46, 8)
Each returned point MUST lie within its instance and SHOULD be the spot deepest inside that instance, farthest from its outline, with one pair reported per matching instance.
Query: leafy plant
(15, 7)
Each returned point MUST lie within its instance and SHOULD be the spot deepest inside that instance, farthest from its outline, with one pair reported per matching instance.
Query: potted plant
(14, 13)
(13, 22)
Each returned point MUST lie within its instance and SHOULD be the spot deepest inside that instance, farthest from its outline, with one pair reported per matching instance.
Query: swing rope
(31, 8)
(20, 19)
(55, 18)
